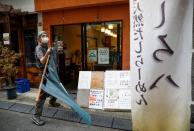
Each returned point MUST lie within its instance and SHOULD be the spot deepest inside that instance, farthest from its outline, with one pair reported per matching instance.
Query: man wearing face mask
(41, 53)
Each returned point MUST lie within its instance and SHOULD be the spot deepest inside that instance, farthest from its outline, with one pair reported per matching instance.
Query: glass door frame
(84, 42)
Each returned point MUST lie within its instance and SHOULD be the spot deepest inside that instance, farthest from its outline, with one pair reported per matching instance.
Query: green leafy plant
(8, 59)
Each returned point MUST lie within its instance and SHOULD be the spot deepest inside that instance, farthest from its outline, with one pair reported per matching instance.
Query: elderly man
(41, 53)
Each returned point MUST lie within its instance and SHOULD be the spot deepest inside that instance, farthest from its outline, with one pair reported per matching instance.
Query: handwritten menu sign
(96, 99)
(117, 90)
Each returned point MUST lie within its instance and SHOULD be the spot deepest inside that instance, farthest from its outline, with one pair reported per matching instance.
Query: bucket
(11, 93)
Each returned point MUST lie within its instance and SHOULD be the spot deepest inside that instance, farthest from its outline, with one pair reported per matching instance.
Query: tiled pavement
(24, 103)
(68, 115)
(116, 120)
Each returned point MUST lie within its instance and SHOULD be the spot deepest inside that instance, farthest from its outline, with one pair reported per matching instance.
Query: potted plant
(8, 59)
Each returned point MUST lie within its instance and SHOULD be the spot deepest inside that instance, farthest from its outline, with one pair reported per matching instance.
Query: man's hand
(49, 50)
(44, 58)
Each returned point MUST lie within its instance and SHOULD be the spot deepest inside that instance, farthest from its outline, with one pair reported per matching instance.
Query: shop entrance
(89, 47)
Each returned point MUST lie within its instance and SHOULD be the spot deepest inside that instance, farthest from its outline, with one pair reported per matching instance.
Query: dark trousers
(40, 103)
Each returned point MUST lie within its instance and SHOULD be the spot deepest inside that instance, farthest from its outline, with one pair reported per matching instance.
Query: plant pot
(11, 92)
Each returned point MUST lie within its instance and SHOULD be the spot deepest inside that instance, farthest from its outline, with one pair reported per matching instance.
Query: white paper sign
(124, 99)
(111, 98)
(103, 55)
(117, 79)
(111, 79)
(6, 40)
(96, 99)
(117, 99)
(161, 46)
(84, 80)
(117, 90)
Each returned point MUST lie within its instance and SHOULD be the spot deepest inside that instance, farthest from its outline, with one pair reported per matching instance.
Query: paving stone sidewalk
(68, 115)
(24, 103)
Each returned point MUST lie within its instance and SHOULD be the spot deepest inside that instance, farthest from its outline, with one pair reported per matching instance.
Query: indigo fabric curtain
(54, 87)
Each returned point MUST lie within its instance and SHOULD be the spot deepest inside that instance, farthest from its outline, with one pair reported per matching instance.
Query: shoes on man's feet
(37, 120)
(55, 104)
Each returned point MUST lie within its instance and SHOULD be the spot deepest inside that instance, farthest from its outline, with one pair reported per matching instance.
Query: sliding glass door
(101, 46)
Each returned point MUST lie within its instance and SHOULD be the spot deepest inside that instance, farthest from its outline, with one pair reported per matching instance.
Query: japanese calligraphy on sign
(138, 37)
(160, 47)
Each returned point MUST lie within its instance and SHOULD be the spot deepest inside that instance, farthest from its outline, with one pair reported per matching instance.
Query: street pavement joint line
(55, 113)
(30, 112)
(8, 104)
(11, 105)
(112, 122)
(81, 121)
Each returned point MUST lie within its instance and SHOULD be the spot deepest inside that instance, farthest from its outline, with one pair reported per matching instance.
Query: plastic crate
(22, 85)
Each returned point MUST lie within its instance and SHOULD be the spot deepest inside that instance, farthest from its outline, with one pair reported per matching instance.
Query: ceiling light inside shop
(114, 35)
(102, 29)
(107, 31)
(110, 33)
(110, 26)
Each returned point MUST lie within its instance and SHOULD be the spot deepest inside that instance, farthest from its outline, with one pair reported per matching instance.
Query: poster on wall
(117, 90)
(92, 56)
(6, 40)
(161, 50)
(84, 80)
(96, 99)
(103, 55)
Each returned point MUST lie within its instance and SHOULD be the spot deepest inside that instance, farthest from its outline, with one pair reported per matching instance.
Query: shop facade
(88, 27)
(19, 23)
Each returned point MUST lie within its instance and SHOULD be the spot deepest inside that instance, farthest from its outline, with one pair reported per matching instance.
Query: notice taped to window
(103, 55)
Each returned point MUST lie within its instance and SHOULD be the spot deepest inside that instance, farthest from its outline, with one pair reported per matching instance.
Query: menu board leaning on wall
(117, 90)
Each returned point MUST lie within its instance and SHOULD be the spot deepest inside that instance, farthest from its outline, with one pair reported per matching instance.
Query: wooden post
(43, 74)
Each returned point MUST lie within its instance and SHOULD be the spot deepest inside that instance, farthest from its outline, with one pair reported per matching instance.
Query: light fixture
(107, 31)
(110, 26)
(102, 29)
(114, 35)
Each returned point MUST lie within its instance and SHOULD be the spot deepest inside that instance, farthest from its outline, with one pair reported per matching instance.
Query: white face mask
(45, 40)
